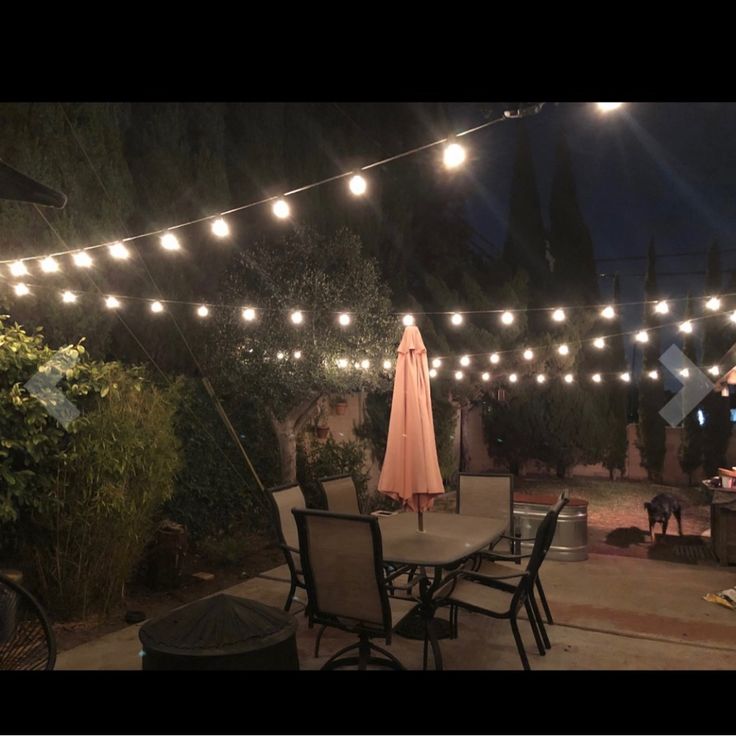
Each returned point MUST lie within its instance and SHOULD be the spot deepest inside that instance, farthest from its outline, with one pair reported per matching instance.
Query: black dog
(660, 508)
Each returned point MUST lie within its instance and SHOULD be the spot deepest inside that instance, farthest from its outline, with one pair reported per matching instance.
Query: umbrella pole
(420, 519)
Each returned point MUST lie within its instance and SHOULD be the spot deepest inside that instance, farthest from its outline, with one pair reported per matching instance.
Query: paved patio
(611, 613)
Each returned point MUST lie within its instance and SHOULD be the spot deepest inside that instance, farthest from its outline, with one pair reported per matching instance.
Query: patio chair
(347, 586)
(341, 494)
(283, 499)
(502, 596)
(27, 640)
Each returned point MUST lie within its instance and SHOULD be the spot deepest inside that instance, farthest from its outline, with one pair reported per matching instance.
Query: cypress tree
(690, 452)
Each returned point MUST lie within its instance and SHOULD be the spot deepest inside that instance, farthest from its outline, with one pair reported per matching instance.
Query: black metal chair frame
(48, 632)
(365, 633)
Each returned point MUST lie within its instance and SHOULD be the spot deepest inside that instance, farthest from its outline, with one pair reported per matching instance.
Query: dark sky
(662, 170)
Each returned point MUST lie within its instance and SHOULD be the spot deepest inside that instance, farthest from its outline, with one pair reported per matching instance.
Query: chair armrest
(289, 549)
(399, 571)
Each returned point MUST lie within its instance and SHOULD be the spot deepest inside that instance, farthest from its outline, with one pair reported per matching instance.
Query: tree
(651, 427)
(288, 368)
(690, 452)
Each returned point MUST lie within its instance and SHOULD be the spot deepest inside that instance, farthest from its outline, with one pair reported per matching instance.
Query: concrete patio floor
(617, 613)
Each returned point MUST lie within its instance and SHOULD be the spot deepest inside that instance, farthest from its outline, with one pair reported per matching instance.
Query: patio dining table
(447, 541)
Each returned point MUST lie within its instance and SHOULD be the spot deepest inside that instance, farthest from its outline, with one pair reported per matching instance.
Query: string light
(513, 378)
(169, 241)
(280, 356)
(21, 290)
(387, 365)
(642, 336)
(654, 375)
(733, 316)
(365, 364)
(281, 209)
(297, 317)
(344, 319)
(528, 354)
(202, 311)
(608, 106)
(82, 259)
(596, 378)
(486, 376)
(541, 378)
(18, 269)
(458, 375)
(599, 343)
(569, 378)
(714, 304)
(685, 373)
(433, 373)
(686, 326)
(68, 297)
(454, 155)
(119, 252)
(111, 302)
(714, 370)
(342, 362)
(465, 361)
(507, 318)
(558, 315)
(456, 319)
(436, 363)
(563, 350)
(220, 228)
(408, 320)
(661, 308)
(249, 314)
(626, 377)
(494, 358)
(49, 265)
(608, 312)
(297, 354)
(157, 307)
(358, 185)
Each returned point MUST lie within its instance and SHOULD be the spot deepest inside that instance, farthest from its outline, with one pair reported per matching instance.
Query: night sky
(662, 170)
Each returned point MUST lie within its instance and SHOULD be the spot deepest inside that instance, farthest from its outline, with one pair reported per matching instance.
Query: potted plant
(341, 405)
(321, 427)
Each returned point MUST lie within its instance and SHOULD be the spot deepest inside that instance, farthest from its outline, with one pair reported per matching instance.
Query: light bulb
(18, 269)
(279, 355)
(558, 315)
(157, 307)
(507, 318)
(169, 241)
(733, 316)
(82, 259)
(454, 155)
(661, 307)
(68, 297)
(608, 312)
(714, 304)
(220, 228)
(111, 302)
(568, 378)
(465, 361)
(486, 376)
(49, 265)
(494, 358)
(21, 290)
(436, 363)
(458, 375)
(344, 319)
(714, 370)
(203, 311)
(408, 320)
(297, 317)
(541, 378)
(642, 336)
(528, 354)
(563, 350)
(249, 314)
(596, 378)
(342, 362)
(608, 106)
(119, 251)
(358, 185)
(365, 364)
(654, 375)
(456, 319)
(626, 377)
(513, 378)
(686, 326)
(387, 365)
(432, 373)
(281, 209)
(685, 373)
(297, 354)
(599, 343)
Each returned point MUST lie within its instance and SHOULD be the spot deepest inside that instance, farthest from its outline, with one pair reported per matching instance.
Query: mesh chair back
(343, 568)
(486, 494)
(284, 499)
(27, 641)
(341, 494)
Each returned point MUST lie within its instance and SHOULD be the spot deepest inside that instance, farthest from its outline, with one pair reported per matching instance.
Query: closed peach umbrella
(411, 472)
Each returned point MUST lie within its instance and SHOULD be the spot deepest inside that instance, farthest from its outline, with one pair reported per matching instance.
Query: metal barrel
(570, 542)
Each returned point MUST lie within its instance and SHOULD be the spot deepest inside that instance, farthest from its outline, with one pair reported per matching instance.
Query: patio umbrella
(19, 187)
(411, 472)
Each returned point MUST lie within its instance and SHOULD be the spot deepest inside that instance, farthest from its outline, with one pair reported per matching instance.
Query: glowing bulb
(432, 373)
(49, 265)
(297, 317)
(119, 251)
(661, 307)
(387, 365)
(358, 185)
(21, 290)
(714, 304)
(169, 241)
(609, 106)
(297, 354)
(653, 375)
(454, 155)
(157, 307)
(408, 320)
(642, 336)
(686, 326)
(494, 358)
(249, 314)
(507, 318)
(456, 319)
(344, 319)
(541, 378)
(279, 355)
(203, 311)
(486, 376)
(599, 343)
(365, 364)
(597, 378)
(18, 269)
(733, 316)
(68, 297)
(111, 302)
(558, 315)
(568, 378)
(220, 228)
(608, 312)
(685, 373)
(82, 259)
(342, 362)
(436, 363)
(465, 361)
(281, 209)
(714, 370)
(626, 377)
(563, 350)
(528, 354)
(513, 378)
(458, 375)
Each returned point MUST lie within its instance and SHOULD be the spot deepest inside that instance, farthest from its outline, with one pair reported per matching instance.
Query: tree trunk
(286, 437)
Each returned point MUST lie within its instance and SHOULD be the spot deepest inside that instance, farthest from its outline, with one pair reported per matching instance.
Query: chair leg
(540, 622)
(535, 631)
(319, 639)
(290, 597)
(519, 643)
(426, 646)
(543, 598)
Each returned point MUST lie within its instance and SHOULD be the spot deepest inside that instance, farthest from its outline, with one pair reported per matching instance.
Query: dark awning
(19, 187)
